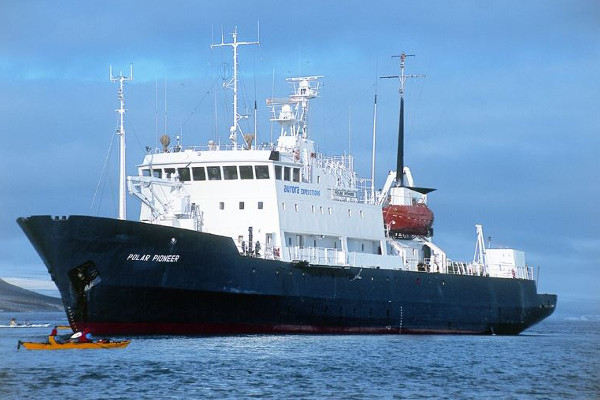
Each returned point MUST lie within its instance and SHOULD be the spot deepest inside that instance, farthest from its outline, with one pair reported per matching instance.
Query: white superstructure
(285, 200)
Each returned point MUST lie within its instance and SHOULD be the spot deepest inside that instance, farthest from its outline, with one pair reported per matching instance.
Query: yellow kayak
(54, 345)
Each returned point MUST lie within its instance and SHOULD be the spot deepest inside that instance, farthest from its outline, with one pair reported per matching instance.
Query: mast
(373, 155)
(400, 157)
(233, 83)
(121, 132)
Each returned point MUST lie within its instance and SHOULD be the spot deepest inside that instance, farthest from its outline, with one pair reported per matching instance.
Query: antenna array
(121, 133)
(232, 83)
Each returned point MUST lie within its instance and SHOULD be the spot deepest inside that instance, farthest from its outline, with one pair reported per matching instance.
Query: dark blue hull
(125, 277)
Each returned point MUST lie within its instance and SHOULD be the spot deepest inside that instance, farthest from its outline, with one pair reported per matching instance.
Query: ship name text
(154, 258)
(299, 190)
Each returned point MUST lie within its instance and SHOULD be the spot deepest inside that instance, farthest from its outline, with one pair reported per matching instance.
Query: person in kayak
(86, 336)
(54, 335)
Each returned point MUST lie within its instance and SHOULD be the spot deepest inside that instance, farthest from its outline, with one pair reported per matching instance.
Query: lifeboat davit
(415, 219)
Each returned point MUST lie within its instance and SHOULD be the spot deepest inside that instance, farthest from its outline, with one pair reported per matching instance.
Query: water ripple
(553, 360)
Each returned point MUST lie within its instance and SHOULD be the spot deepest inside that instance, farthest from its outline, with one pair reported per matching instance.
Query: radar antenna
(232, 83)
(294, 122)
(121, 132)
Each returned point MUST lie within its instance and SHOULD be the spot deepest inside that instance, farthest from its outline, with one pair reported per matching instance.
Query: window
(262, 171)
(321, 209)
(246, 172)
(157, 173)
(329, 210)
(260, 205)
(214, 173)
(312, 209)
(283, 206)
(199, 173)
(241, 205)
(278, 172)
(286, 173)
(296, 206)
(362, 214)
(169, 172)
(296, 174)
(145, 172)
(289, 241)
(318, 179)
(184, 174)
(349, 212)
(221, 205)
(230, 172)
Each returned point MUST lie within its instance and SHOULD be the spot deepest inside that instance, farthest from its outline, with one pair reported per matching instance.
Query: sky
(505, 123)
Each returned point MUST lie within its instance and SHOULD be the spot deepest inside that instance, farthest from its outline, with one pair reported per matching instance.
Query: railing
(317, 255)
(497, 271)
(335, 257)
(211, 147)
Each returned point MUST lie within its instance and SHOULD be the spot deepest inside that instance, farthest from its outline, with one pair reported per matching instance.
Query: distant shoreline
(16, 299)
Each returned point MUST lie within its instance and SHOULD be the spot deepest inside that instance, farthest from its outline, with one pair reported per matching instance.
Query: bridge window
(246, 172)
(169, 172)
(157, 173)
(230, 172)
(262, 171)
(241, 205)
(296, 174)
(278, 172)
(214, 173)
(199, 173)
(221, 205)
(260, 205)
(286, 173)
(184, 174)
(145, 172)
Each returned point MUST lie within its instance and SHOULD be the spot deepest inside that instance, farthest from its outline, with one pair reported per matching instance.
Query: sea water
(556, 359)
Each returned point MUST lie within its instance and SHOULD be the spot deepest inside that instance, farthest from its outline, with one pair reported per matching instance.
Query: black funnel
(400, 159)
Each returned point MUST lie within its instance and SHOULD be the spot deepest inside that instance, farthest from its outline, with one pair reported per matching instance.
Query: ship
(276, 238)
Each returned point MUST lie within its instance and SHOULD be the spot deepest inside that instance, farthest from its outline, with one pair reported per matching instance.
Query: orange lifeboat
(408, 220)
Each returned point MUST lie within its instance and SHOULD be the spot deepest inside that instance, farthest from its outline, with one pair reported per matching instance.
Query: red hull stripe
(108, 328)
